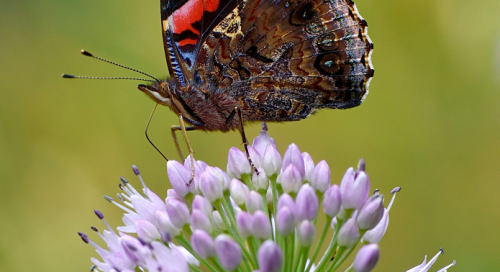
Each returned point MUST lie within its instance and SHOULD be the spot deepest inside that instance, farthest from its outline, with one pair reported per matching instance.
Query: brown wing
(281, 60)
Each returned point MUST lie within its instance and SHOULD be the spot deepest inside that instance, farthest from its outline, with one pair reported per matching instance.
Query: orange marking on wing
(187, 42)
(192, 12)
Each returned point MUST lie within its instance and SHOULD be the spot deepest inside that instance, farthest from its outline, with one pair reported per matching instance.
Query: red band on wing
(190, 13)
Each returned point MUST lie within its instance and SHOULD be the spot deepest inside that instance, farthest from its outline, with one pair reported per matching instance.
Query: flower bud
(260, 181)
(179, 177)
(307, 203)
(261, 142)
(202, 204)
(272, 160)
(178, 213)
(354, 189)
(202, 244)
(228, 252)
(243, 223)
(200, 221)
(146, 230)
(308, 165)
(165, 225)
(237, 163)
(371, 212)
(294, 157)
(375, 235)
(255, 156)
(366, 258)
(238, 191)
(210, 186)
(254, 202)
(320, 177)
(261, 228)
(348, 234)
(291, 179)
(285, 221)
(306, 232)
(219, 223)
(269, 257)
(332, 201)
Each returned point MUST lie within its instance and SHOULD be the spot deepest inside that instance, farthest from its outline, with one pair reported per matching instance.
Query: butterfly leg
(147, 136)
(184, 130)
(173, 129)
(237, 110)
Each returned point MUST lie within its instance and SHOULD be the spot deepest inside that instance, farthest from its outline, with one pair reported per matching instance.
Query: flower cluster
(248, 219)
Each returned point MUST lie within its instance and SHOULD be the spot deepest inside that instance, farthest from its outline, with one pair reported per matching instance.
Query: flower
(425, 266)
(247, 222)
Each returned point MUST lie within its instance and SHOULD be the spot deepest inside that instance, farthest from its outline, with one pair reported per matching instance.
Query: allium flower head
(240, 221)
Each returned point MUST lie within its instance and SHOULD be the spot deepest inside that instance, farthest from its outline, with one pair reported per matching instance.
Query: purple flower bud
(255, 156)
(218, 222)
(261, 228)
(228, 252)
(371, 212)
(354, 190)
(269, 257)
(165, 225)
(308, 166)
(146, 230)
(202, 244)
(179, 177)
(291, 179)
(285, 221)
(172, 194)
(334, 222)
(332, 201)
(237, 163)
(221, 175)
(261, 142)
(306, 232)
(202, 204)
(197, 167)
(200, 221)
(307, 203)
(254, 202)
(272, 160)
(260, 182)
(238, 191)
(210, 186)
(286, 200)
(294, 157)
(243, 223)
(178, 213)
(320, 177)
(366, 258)
(375, 235)
(348, 234)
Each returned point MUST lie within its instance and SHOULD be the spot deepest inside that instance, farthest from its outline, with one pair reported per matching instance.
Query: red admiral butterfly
(237, 61)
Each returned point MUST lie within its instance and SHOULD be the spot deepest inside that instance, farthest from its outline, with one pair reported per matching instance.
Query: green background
(431, 124)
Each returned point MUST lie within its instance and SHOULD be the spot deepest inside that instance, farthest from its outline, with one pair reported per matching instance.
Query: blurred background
(431, 124)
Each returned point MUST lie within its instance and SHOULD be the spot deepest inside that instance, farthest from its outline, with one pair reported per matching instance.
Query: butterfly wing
(283, 59)
(185, 25)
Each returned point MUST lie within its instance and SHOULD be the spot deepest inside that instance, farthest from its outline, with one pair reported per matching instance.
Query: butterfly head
(159, 92)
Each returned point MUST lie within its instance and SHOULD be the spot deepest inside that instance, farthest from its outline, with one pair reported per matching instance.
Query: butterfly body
(273, 60)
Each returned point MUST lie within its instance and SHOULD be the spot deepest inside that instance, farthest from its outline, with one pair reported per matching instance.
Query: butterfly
(232, 62)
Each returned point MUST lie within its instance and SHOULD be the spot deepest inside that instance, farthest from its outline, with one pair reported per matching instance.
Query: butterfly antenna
(147, 136)
(88, 54)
